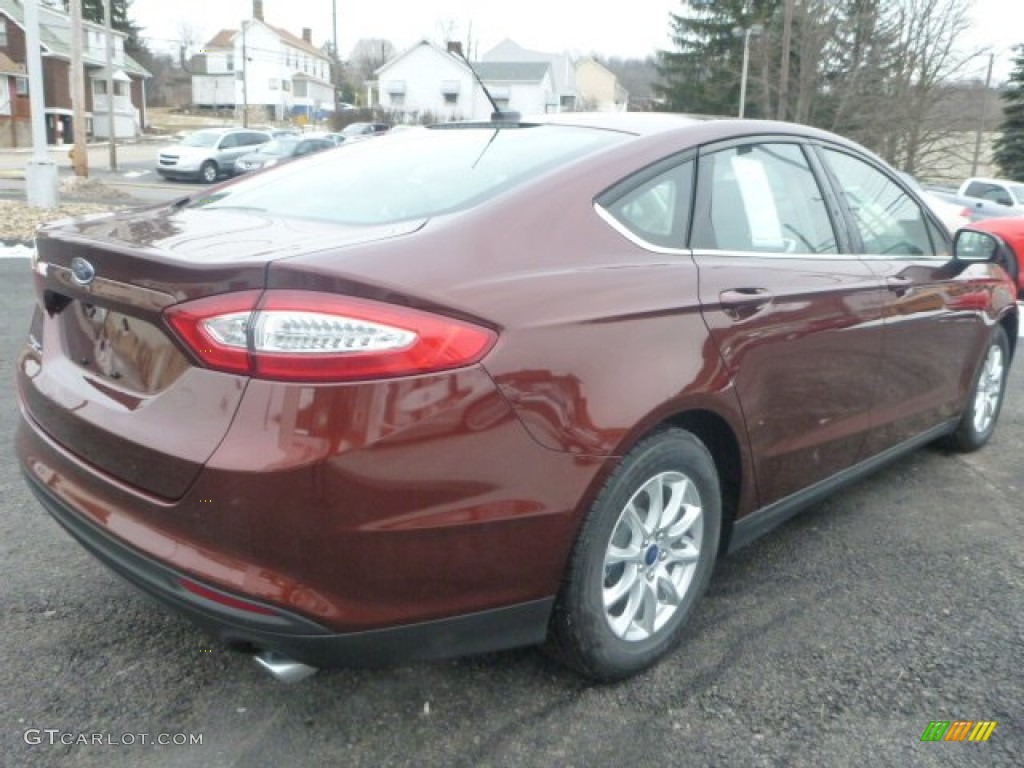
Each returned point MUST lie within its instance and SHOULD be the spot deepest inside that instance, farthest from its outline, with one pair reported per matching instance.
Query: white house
(563, 71)
(581, 84)
(428, 82)
(264, 67)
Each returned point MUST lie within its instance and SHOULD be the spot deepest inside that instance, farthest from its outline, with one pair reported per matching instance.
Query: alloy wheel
(652, 555)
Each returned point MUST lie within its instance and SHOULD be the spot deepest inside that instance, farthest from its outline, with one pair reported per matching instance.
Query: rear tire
(643, 558)
(979, 418)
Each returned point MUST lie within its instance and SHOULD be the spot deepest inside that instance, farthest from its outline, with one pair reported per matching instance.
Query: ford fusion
(496, 384)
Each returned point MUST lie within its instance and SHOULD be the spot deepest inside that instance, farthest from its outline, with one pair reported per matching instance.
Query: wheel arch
(723, 444)
(1011, 324)
(721, 439)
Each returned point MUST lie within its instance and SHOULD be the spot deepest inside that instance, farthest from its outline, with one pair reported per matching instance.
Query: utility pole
(111, 124)
(334, 27)
(245, 79)
(80, 154)
(984, 116)
(787, 44)
(41, 171)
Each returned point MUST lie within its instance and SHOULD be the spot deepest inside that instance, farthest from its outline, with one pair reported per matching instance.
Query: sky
(635, 28)
(630, 28)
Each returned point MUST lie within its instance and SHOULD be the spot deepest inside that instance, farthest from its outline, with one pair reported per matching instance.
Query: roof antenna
(497, 116)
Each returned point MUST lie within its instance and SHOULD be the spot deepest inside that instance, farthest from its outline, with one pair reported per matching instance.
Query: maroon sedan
(486, 385)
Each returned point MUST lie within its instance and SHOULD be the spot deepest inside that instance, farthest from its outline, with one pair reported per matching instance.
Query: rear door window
(764, 198)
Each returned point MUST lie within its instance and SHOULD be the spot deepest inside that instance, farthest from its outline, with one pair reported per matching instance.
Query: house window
(3, 33)
(120, 89)
(231, 62)
(397, 99)
(21, 86)
(451, 99)
(286, 85)
(99, 87)
(274, 83)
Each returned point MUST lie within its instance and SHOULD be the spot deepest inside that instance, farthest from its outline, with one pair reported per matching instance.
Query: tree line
(880, 72)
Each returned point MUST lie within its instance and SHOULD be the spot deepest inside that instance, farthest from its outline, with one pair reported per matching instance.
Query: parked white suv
(1002, 191)
(208, 153)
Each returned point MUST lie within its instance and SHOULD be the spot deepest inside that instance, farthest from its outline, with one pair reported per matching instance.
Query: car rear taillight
(306, 336)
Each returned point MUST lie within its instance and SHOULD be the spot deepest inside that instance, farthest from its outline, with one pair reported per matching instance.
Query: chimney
(307, 35)
(455, 48)
(257, 9)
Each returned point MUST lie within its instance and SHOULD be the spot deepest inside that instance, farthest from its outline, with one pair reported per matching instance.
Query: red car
(1011, 231)
(487, 385)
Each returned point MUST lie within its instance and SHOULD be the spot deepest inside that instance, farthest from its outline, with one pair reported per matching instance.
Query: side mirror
(970, 245)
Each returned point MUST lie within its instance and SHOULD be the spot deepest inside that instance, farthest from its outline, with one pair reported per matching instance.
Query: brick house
(55, 36)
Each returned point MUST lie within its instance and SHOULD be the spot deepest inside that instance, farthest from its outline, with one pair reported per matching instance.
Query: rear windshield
(412, 175)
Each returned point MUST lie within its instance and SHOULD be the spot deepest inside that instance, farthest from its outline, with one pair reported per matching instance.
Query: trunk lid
(103, 374)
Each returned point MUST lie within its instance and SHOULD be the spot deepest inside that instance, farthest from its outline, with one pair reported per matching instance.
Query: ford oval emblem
(82, 271)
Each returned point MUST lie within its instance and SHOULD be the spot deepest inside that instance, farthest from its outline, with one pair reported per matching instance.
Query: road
(834, 641)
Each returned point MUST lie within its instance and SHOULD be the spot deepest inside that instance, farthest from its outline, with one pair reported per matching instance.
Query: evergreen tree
(95, 11)
(1009, 154)
(703, 74)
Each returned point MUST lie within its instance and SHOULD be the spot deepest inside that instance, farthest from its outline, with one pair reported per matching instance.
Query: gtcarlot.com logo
(55, 736)
(958, 730)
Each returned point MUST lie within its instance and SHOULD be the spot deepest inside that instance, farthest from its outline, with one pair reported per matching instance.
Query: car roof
(710, 127)
(987, 180)
(227, 130)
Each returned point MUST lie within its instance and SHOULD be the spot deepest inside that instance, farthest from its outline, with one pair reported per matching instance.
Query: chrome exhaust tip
(284, 669)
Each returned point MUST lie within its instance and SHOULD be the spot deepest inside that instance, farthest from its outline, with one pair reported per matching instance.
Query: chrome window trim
(627, 233)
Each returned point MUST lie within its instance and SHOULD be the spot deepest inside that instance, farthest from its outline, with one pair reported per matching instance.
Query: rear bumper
(270, 627)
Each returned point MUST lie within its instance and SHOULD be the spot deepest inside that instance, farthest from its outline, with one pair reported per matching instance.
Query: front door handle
(741, 303)
(899, 285)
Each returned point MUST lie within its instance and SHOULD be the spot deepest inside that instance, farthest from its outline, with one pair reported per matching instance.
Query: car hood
(184, 151)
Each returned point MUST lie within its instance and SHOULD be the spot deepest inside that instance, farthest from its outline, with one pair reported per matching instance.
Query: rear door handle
(741, 303)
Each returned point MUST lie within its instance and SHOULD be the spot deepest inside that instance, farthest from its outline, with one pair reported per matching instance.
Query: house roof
(226, 39)
(223, 39)
(55, 35)
(298, 42)
(512, 71)
(563, 71)
(455, 60)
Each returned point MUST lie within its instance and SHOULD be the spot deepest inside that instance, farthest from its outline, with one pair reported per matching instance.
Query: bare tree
(886, 68)
(369, 55)
(928, 59)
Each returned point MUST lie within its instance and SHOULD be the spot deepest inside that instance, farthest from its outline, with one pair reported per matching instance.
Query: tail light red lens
(307, 336)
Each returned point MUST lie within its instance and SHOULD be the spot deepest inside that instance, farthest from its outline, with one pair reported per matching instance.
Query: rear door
(795, 315)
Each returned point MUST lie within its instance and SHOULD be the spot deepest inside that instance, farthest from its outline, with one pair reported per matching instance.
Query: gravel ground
(19, 221)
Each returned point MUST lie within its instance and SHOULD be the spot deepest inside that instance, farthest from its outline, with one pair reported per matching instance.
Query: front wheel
(642, 560)
(208, 172)
(978, 421)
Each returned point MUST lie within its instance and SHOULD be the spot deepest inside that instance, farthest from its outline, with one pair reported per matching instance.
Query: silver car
(207, 154)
